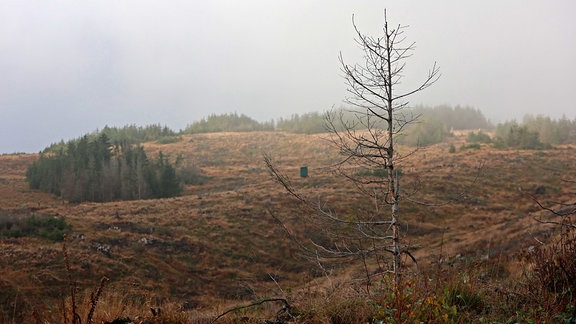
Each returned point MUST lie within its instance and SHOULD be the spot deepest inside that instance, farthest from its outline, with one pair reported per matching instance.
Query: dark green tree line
(552, 131)
(310, 123)
(514, 135)
(96, 170)
(228, 123)
(131, 134)
(454, 118)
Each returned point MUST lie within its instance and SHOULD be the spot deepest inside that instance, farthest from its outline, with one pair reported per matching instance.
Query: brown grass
(216, 245)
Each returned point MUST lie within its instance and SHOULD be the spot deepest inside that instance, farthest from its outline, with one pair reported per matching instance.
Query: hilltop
(218, 244)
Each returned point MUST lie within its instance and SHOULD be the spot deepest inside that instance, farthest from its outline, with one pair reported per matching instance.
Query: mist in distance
(68, 68)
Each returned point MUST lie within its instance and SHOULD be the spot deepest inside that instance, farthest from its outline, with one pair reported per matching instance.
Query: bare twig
(285, 308)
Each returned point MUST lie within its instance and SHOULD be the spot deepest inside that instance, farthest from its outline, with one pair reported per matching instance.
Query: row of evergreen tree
(228, 123)
(440, 120)
(535, 133)
(96, 170)
(433, 125)
(550, 131)
(111, 165)
(514, 135)
(454, 118)
(310, 123)
(129, 134)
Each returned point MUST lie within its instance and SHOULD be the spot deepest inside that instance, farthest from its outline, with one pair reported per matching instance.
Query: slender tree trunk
(393, 181)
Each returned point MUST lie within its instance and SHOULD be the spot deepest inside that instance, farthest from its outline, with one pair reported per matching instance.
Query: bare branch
(570, 209)
(433, 76)
(561, 223)
(286, 307)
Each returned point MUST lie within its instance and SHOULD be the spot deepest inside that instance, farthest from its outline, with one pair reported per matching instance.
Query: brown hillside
(218, 243)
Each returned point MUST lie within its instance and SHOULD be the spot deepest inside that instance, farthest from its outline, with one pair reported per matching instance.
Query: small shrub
(555, 265)
(464, 298)
(192, 175)
(430, 131)
(43, 226)
(415, 304)
(169, 139)
(479, 137)
(473, 146)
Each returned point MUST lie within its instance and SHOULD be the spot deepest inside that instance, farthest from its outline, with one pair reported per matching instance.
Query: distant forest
(93, 169)
(445, 117)
(432, 125)
(228, 123)
(110, 164)
(130, 134)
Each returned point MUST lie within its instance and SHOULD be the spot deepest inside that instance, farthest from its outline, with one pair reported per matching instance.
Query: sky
(70, 67)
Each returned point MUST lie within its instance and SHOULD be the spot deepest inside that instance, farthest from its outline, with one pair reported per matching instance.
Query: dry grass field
(217, 244)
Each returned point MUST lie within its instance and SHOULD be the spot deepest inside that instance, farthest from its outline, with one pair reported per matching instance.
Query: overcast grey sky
(70, 67)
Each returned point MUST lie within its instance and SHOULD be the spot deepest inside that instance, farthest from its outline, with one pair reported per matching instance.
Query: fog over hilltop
(70, 67)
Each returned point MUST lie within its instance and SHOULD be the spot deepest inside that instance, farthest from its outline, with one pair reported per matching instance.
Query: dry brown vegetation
(216, 246)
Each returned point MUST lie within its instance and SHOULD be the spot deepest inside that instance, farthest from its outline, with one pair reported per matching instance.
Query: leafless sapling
(364, 134)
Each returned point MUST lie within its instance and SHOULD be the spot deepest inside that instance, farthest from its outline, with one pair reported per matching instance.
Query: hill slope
(218, 242)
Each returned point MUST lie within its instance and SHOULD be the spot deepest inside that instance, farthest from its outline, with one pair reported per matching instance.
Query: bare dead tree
(378, 118)
(365, 136)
